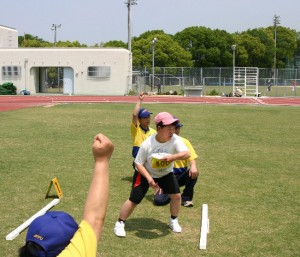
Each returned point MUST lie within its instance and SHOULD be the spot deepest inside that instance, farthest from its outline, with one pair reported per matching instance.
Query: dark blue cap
(143, 113)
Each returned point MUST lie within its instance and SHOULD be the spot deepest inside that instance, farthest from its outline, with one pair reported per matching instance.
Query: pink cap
(166, 118)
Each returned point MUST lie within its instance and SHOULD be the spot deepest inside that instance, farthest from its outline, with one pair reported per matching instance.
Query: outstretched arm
(137, 108)
(97, 198)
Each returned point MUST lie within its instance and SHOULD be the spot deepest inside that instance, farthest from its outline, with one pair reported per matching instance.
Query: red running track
(8, 103)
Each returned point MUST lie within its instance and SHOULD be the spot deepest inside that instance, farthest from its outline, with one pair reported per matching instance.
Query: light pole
(276, 21)
(233, 47)
(153, 49)
(129, 3)
(55, 27)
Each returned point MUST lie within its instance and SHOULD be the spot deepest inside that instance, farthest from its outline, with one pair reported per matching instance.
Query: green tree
(168, 53)
(266, 37)
(286, 45)
(199, 46)
(32, 41)
(208, 47)
(298, 44)
(69, 44)
(250, 50)
(115, 43)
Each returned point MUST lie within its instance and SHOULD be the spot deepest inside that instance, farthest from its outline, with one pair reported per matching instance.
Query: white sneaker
(187, 204)
(174, 225)
(120, 229)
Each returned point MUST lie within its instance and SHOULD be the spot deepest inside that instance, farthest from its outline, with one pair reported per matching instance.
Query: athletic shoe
(187, 204)
(120, 229)
(174, 225)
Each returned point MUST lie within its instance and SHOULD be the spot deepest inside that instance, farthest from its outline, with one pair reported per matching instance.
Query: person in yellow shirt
(57, 234)
(140, 125)
(154, 168)
(186, 174)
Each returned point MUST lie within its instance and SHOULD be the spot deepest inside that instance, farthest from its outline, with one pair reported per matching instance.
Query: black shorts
(140, 186)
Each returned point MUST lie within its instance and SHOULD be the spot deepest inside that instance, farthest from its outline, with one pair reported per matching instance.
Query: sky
(94, 21)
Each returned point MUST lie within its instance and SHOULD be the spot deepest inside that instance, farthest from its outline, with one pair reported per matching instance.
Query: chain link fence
(214, 81)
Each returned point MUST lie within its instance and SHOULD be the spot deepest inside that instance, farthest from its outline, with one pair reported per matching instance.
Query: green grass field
(248, 158)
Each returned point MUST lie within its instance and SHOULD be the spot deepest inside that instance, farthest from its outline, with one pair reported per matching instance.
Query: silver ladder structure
(246, 79)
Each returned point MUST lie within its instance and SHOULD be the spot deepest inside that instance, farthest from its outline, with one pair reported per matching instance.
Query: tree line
(200, 46)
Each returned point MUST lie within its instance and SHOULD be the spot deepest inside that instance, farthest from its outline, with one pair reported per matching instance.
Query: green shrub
(8, 88)
(213, 92)
(132, 92)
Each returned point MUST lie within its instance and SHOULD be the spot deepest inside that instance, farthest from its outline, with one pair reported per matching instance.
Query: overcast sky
(95, 21)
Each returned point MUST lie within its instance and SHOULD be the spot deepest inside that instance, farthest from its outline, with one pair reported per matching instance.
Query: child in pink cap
(154, 167)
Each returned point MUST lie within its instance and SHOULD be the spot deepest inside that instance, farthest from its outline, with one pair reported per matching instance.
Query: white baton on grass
(204, 227)
(18, 230)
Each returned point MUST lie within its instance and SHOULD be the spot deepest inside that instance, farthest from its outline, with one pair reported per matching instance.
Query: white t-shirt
(158, 168)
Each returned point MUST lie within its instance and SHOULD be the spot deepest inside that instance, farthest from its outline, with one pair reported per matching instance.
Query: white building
(8, 37)
(82, 71)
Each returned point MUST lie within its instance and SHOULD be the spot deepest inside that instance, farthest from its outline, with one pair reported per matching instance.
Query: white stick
(204, 227)
(18, 230)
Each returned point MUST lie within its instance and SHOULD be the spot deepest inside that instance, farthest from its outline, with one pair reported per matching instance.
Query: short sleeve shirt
(182, 165)
(158, 168)
(138, 137)
(83, 243)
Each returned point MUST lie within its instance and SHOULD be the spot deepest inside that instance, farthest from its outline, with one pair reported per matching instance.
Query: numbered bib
(158, 163)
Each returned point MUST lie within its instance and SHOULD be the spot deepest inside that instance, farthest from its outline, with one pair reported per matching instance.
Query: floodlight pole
(276, 22)
(55, 27)
(233, 47)
(153, 50)
(128, 4)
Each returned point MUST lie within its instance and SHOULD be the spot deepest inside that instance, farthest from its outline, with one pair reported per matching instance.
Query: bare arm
(137, 108)
(178, 156)
(143, 171)
(193, 173)
(97, 198)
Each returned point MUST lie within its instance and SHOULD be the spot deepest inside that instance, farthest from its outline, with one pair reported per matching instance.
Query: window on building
(3, 71)
(16, 70)
(11, 71)
(99, 71)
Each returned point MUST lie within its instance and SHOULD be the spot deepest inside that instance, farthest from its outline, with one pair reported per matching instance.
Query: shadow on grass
(149, 197)
(129, 178)
(147, 228)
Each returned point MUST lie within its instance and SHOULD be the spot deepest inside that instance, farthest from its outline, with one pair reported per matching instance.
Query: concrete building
(81, 71)
(8, 37)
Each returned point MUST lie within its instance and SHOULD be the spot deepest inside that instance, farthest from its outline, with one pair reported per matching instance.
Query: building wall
(27, 63)
(8, 37)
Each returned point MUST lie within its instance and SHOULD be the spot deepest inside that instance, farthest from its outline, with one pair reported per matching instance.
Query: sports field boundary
(8, 103)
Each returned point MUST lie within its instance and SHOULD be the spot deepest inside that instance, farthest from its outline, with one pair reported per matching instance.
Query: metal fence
(279, 82)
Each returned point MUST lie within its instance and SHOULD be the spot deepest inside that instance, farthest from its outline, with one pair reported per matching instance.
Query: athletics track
(8, 103)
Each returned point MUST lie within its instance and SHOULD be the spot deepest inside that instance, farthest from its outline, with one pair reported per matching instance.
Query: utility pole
(55, 27)
(276, 22)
